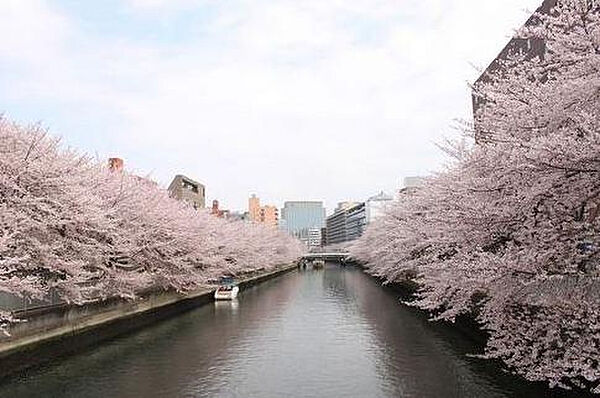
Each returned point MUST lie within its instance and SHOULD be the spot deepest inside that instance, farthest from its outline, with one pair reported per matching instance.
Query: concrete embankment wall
(58, 330)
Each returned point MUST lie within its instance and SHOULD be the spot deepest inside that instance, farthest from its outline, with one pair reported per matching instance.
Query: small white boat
(227, 291)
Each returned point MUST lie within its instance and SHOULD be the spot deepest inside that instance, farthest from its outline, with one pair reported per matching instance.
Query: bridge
(332, 256)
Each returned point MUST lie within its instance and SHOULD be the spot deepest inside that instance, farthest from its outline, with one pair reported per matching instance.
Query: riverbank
(58, 330)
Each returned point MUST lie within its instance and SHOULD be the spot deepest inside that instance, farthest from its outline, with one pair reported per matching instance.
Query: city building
(186, 189)
(356, 221)
(314, 237)
(282, 224)
(375, 206)
(303, 218)
(350, 219)
(115, 164)
(528, 48)
(239, 216)
(336, 226)
(268, 215)
(215, 211)
(254, 208)
(412, 184)
(311, 237)
(346, 205)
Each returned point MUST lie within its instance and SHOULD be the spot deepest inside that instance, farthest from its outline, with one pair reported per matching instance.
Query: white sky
(289, 99)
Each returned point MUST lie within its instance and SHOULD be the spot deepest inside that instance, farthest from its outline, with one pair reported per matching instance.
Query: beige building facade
(254, 208)
(268, 215)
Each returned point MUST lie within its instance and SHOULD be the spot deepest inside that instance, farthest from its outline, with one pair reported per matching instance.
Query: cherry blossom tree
(509, 232)
(71, 227)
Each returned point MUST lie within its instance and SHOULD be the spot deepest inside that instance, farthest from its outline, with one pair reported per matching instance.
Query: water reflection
(313, 333)
(227, 305)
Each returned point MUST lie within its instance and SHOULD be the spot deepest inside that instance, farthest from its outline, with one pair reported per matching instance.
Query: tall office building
(356, 221)
(303, 218)
(346, 223)
(350, 219)
(336, 226)
(375, 206)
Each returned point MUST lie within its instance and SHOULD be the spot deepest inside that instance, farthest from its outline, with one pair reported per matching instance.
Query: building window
(189, 186)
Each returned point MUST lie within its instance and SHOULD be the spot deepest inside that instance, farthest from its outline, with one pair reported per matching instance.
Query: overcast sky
(289, 99)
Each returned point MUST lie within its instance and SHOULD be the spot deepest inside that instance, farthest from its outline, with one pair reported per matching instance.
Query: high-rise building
(336, 226)
(350, 219)
(303, 218)
(375, 206)
(356, 221)
(184, 188)
(346, 205)
(268, 215)
(254, 208)
(346, 223)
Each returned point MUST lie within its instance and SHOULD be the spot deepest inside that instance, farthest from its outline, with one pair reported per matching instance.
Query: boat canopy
(226, 280)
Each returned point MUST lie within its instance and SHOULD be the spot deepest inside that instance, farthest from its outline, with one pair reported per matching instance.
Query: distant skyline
(327, 100)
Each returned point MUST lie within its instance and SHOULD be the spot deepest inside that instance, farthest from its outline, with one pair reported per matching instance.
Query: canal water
(333, 332)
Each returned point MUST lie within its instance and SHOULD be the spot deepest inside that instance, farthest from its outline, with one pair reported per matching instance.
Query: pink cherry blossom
(70, 226)
(509, 231)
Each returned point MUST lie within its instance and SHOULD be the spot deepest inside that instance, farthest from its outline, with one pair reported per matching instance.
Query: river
(315, 333)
